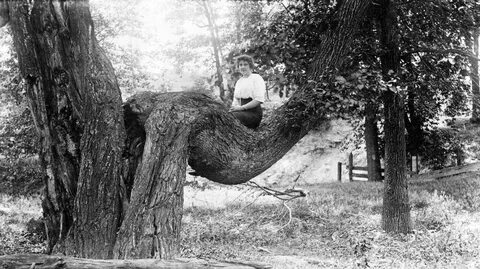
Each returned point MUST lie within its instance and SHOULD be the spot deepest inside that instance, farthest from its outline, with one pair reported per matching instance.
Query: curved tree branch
(187, 125)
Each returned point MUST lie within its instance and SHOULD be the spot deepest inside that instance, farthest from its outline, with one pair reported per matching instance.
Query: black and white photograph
(239, 134)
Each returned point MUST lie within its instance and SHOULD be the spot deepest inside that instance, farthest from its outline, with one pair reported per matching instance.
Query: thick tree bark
(371, 142)
(76, 105)
(475, 81)
(396, 208)
(72, 90)
(152, 224)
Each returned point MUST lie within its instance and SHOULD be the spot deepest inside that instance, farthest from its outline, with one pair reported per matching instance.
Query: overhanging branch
(444, 51)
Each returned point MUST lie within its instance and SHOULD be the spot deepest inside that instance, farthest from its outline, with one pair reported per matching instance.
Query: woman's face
(244, 68)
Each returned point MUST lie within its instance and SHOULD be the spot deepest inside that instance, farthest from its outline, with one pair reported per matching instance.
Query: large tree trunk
(371, 142)
(72, 90)
(396, 208)
(76, 105)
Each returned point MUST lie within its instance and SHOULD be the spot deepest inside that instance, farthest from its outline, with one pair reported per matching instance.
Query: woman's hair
(246, 58)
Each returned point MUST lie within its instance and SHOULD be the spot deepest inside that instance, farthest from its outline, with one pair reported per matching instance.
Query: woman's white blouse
(251, 87)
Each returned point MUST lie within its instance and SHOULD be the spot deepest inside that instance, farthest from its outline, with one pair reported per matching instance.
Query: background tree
(475, 79)
(118, 28)
(214, 39)
(433, 71)
(396, 208)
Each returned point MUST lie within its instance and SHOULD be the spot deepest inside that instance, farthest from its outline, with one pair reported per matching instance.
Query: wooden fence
(473, 168)
(355, 172)
(361, 172)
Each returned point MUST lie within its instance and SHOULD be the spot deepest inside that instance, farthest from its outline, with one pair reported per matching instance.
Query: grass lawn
(336, 226)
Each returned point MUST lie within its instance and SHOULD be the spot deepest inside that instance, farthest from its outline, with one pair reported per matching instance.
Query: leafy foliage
(433, 72)
(22, 230)
(434, 39)
(117, 26)
(19, 168)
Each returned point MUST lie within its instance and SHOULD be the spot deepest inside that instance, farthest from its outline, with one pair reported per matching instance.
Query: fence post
(339, 172)
(350, 166)
(459, 156)
(412, 164)
(417, 166)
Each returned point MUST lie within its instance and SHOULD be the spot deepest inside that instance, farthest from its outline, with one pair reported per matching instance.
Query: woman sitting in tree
(249, 94)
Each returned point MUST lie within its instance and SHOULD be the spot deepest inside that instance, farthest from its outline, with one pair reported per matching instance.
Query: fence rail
(355, 171)
(361, 172)
(449, 172)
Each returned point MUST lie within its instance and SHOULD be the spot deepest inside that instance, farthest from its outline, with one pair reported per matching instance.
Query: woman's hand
(236, 108)
(249, 105)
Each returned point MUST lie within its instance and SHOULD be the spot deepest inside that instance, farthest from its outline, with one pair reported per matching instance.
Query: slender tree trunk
(475, 81)
(413, 125)
(76, 105)
(224, 81)
(215, 45)
(371, 142)
(396, 208)
(413, 121)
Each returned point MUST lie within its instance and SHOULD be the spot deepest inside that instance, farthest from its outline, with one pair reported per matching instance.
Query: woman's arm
(235, 102)
(249, 105)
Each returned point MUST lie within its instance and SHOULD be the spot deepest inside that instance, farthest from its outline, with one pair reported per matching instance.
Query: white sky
(3, 45)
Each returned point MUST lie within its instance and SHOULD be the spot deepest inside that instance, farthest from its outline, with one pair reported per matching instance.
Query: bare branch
(287, 195)
(289, 216)
(286, 9)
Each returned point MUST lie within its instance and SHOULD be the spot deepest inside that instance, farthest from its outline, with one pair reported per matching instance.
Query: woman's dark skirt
(250, 117)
